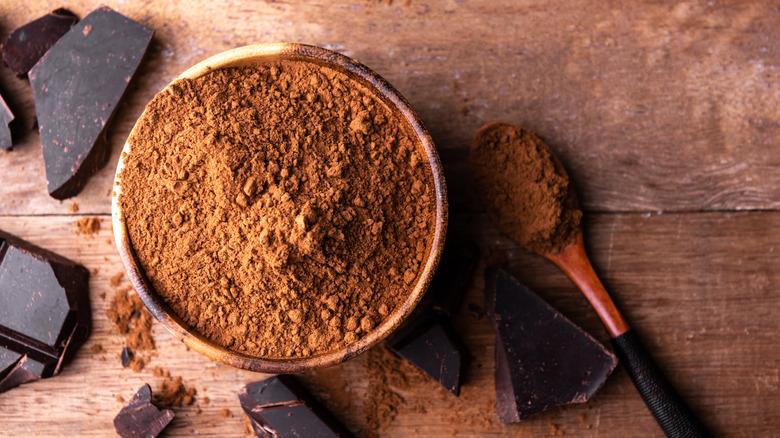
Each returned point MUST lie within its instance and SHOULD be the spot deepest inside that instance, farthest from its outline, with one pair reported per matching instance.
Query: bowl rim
(254, 54)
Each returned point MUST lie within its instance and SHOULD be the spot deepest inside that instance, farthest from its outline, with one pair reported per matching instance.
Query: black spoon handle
(669, 409)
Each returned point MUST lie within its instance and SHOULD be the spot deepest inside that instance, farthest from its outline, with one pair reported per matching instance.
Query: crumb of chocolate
(226, 413)
(120, 399)
(476, 311)
(97, 348)
(88, 226)
(206, 400)
(74, 208)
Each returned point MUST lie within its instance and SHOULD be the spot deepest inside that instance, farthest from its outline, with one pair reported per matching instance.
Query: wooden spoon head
(524, 188)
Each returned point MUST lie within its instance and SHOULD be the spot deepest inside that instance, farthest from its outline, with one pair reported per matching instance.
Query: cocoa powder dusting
(173, 392)
(87, 226)
(132, 320)
(525, 191)
(281, 210)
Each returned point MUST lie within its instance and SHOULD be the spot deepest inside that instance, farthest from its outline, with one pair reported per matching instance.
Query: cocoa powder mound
(281, 210)
(526, 192)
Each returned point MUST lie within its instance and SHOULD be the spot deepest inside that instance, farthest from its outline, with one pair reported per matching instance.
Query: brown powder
(280, 210)
(132, 320)
(173, 392)
(525, 190)
(248, 430)
(226, 413)
(88, 226)
(74, 208)
(116, 280)
(386, 373)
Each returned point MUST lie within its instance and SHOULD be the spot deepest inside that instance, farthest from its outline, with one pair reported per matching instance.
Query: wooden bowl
(250, 55)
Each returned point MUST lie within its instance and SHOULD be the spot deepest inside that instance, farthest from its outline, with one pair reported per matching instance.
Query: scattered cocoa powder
(132, 320)
(74, 208)
(525, 190)
(173, 392)
(281, 210)
(97, 348)
(248, 430)
(88, 226)
(116, 280)
(386, 374)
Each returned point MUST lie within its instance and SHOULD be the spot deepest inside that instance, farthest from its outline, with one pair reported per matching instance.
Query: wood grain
(709, 324)
(652, 107)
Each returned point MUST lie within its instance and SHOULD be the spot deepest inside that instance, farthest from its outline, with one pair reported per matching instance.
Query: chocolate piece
(140, 418)
(44, 311)
(27, 44)
(77, 86)
(433, 347)
(6, 117)
(281, 407)
(127, 357)
(452, 277)
(542, 358)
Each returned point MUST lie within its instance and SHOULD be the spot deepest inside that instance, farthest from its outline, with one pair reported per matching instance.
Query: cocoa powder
(525, 190)
(281, 210)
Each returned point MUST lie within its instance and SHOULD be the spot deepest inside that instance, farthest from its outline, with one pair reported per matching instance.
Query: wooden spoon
(673, 415)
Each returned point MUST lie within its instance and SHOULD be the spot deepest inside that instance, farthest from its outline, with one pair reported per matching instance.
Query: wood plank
(700, 288)
(651, 106)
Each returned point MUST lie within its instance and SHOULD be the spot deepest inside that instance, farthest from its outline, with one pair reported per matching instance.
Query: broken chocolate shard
(77, 86)
(542, 359)
(140, 418)
(127, 357)
(433, 347)
(452, 277)
(44, 311)
(27, 44)
(281, 407)
(6, 117)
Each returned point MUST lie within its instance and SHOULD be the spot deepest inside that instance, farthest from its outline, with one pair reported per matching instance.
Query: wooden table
(666, 116)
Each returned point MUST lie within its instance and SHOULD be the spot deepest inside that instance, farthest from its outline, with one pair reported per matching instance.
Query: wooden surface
(665, 115)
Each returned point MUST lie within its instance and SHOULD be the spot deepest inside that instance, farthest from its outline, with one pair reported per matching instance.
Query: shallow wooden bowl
(250, 55)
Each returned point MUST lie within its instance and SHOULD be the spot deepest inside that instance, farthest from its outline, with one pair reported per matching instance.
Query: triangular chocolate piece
(542, 358)
(140, 418)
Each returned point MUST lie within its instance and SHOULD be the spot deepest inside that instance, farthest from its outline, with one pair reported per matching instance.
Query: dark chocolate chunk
(542, 358)
(432, 346)
(77, 86)
(44, 311)
(6, 117)
(452, 277)
(140, 418)
(281, 407)
(127, 357)
(27, 44)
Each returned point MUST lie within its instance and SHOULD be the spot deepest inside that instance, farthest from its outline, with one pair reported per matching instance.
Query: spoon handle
(673, 415)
